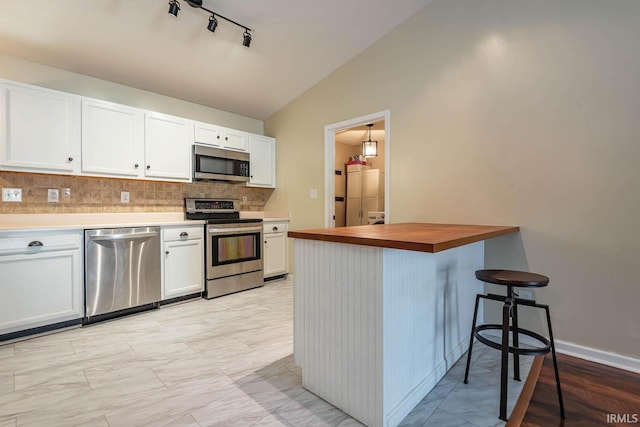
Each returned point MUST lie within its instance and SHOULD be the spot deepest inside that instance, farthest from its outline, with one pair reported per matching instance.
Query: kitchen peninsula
(381, 312)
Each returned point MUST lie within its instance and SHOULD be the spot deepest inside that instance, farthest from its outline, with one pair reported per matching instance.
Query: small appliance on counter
(375, 217)
(233, 246)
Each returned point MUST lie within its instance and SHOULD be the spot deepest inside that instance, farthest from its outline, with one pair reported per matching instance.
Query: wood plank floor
(591, 392)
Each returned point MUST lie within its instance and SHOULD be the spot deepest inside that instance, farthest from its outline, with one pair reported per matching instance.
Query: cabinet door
(208, 134)
(167, 147)
(183, 268)
(275, 254)
(112, 139)
(38, 289)
(354, 199)
(39, 130)
(262, 166)
(235, 140)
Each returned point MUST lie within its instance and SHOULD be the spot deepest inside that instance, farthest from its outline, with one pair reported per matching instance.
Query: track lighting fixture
(370, 148)
(246, 38)
(213, 23)
(174, 8)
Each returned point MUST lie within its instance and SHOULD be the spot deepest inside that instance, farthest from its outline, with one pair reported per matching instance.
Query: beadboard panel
(374, 328)
(338, 325)
(428, 309)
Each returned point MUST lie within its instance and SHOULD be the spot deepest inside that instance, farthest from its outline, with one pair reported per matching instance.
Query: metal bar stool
(512, 279)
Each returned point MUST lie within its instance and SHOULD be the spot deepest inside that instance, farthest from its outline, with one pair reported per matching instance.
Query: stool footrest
(532, 351)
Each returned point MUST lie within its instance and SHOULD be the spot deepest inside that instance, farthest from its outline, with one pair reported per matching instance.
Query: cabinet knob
(70, 159)
(148, 166)
(136, 165)
(226, 138)
(218, 137)
(167, 252)
(35, 243)
(184, 234)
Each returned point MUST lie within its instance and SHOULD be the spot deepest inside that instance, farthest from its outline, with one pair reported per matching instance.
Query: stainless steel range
(233, 248)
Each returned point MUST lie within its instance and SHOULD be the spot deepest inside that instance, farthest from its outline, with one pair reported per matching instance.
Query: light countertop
(92, 220)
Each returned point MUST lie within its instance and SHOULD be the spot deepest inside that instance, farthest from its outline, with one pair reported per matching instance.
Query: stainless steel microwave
(217, 164)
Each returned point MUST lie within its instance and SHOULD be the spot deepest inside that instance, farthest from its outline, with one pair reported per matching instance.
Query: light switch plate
(313, 193)
(11, 194)
(124, 197)
(53, 195)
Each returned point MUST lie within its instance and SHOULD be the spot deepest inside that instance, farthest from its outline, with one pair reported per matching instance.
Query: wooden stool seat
(519, 279)
(512, 279)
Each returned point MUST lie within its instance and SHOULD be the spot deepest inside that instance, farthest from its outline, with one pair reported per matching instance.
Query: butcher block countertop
(422, 237)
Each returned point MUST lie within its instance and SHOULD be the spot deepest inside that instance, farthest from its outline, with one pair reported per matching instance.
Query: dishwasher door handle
(126, 236)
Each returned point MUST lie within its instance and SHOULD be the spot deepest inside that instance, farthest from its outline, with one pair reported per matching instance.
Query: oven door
(233, 249)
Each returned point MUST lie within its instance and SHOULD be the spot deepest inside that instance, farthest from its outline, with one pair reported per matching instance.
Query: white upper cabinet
(39, 130)
(168, 147)
(205, 133)
(218, 136)
(262, 166)
(112, 139)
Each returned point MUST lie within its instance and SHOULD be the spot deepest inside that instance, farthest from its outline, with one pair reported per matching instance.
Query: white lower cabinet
(182, 261)
(276, 251)
(42, 279)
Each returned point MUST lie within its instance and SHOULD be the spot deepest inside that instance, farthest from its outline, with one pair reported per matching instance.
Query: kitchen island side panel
(428, 309)
(338, 325)
(375, 329)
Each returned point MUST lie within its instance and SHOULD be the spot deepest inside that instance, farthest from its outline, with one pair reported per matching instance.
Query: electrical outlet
(66, 194)
(244, 200)
(11, 194)
(124, 197)
(313, 193)
(53, 195)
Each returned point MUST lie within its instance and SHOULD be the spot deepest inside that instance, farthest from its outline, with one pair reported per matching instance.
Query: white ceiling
(357, 134)
(296, 43)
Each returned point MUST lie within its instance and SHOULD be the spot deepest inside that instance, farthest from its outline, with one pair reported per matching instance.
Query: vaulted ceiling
(295, 44)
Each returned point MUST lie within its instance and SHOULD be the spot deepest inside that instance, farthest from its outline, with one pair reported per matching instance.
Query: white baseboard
(599, 356)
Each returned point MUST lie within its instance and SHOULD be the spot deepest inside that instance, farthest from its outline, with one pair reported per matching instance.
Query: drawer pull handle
(184, 234)
(136, 166)
(275, 229)
(35, 243)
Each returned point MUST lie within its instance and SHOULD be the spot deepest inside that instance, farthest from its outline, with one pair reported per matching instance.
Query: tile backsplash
(95, 195)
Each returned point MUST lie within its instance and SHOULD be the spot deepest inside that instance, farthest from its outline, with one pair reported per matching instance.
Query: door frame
(329, 161)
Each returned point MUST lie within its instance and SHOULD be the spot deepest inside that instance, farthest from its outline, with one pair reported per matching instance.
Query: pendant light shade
(370, 148)
(213, 23)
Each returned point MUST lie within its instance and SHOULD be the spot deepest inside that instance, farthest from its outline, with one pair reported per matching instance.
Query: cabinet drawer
(13, 243)
(177, 233)
(275, 227)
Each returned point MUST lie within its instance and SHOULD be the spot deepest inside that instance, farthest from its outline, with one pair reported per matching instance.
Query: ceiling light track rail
(174, 8)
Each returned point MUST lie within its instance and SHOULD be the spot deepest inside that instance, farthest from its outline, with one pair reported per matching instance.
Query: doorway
(351, 133)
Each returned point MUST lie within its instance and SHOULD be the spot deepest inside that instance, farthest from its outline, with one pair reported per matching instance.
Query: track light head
(174, 7)
(246, 38)
(213, 23)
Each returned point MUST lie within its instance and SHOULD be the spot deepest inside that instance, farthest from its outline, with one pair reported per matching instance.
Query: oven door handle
(234, 230)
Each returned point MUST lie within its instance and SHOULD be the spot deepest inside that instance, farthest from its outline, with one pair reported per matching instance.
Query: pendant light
(370, 148)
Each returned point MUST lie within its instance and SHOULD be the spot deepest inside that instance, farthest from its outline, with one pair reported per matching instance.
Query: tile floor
(226, 361)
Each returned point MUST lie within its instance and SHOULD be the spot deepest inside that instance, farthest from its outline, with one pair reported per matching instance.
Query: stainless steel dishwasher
(122, 269)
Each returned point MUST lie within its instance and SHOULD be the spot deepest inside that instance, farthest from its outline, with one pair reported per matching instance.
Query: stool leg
(473, 331)
(555, 363)
(504, 364)
(516, 356)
